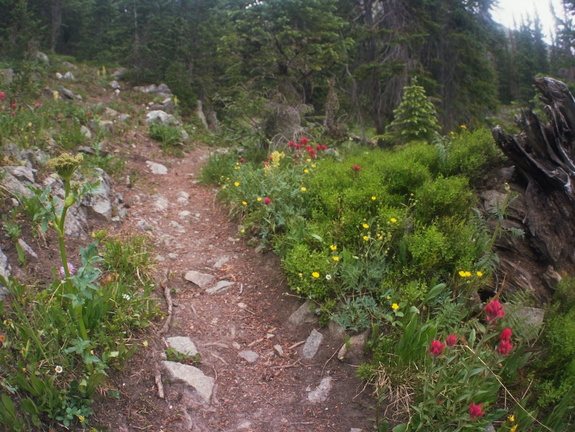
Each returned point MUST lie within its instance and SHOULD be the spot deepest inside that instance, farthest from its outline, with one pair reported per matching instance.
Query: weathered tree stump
(544, 156)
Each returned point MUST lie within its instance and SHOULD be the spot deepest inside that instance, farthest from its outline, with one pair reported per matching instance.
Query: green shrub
(444, 197)
(170, 138)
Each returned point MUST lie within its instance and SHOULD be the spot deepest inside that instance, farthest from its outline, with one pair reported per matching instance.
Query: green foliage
(557, 376)
(170, 138)
(415, 119)
(59, 341)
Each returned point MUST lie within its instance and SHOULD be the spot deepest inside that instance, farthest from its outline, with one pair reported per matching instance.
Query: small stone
(161, 203)
(202, 280)
(85, 132)
(356, 430)
(249, 356)
(220, 287)
(173, 256)
(221, 262)
(353, 350)
(184, 214)
(157, 168)
(192, 376)
(303, 315)
(242, 305)
(321, 393)
(26, 248)
(312, 344)
(236, 345)
(177, 226)
(182, 344)
(279, 350)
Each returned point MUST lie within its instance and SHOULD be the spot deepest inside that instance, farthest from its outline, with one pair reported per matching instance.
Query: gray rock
(14, 186)
(191, 376)
(279, 350)
(159, 116)
(115, 85)
(202, 280)
(109, 112)
(303, 315)
(221, 262)
(353, 350)
(152, 88)
(119, 73)
(312, 344)
(69, 65)
(163, 88)
(69, 76)
(86, 132)
(182, 344)
(249, 356)
(106, 125)
(68, 94)
(490, 428)
(5, 272)
(356, 430)
(220, 287)
(26, 248)
(179, 228)
(321, 393)
(157, 168)
(185, 214)
(529, 319)
(42, 57)
(183, 197)
(22, 173)
(161, 203)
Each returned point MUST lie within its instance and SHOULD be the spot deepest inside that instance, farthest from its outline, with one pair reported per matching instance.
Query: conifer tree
(415, 118)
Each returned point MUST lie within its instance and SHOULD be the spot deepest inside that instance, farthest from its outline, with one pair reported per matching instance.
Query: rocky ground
(252, 355)
(266, 364)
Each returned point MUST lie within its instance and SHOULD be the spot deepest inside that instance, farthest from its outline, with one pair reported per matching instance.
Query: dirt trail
(280, 390)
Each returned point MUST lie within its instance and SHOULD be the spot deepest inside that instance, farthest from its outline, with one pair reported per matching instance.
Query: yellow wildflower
(259, 198)
(315, 274)
(366, 226)
(335, 258)
(395, 306)
(333, 247)
(479, 273)
(244, 203)
(374, 198)
(236, 184)
(366, 238)
(303, 189)
(306, 171)
(393, 220)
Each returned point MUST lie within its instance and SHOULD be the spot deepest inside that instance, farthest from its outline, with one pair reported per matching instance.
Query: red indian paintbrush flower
(304, 141)
(493, 311)
(504, 347)
(267, 200)
(355, 167)
(436, 348)
(451, 340)
(2, 96)
(506, 334)
(476, 410)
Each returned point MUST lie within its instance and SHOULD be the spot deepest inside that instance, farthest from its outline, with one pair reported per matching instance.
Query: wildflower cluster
(303, 145)
(471, 356)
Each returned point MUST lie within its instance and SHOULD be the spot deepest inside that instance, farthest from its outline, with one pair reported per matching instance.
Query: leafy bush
(60, 340)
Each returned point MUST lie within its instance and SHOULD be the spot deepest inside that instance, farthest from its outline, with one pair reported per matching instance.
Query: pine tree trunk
(544, 155)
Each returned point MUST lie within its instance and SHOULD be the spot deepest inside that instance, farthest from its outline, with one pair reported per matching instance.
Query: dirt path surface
(256, 373)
